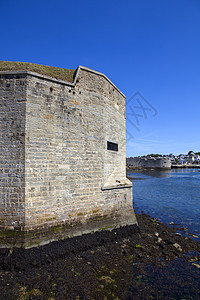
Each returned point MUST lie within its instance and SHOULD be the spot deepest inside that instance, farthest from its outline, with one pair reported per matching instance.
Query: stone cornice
(25, 72)
(52, 79)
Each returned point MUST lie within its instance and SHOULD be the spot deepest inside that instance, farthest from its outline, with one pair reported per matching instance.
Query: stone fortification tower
(62, 158)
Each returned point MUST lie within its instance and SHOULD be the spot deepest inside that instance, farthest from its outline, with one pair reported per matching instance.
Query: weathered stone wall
(149, 163)
(12, 150)
(70, 176)
(67, 161)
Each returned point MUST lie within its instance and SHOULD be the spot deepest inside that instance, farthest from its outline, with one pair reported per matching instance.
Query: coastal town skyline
(188, 159)
(189, 153)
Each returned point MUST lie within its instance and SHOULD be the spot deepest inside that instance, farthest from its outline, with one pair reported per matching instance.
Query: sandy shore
(149, 262)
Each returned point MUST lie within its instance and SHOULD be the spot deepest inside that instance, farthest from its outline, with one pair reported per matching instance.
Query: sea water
(170, 195)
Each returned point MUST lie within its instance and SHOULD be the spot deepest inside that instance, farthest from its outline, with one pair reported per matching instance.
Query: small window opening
(112, 146)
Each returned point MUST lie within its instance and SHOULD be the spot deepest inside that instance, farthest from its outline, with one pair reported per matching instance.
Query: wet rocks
(103, 265)
(177, 246)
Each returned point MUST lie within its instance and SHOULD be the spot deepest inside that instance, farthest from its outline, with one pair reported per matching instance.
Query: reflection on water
(151, 173)
(171, 195)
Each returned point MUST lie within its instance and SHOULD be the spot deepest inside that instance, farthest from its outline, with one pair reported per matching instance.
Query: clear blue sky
(149, 46)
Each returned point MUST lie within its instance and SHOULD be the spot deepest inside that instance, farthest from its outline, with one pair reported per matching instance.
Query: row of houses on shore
(184, 159)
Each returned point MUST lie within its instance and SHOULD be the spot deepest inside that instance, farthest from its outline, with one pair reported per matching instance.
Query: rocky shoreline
(151, 261)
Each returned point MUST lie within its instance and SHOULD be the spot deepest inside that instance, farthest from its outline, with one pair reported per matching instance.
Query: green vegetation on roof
(58, 73)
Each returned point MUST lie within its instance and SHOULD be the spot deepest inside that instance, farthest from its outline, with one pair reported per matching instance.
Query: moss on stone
(59, 228)
(10, 233)
(50, 219)
(80, 214)
(56, 229)
(58, 73)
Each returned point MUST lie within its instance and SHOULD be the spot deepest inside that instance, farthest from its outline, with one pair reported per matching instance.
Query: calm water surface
(172, 196)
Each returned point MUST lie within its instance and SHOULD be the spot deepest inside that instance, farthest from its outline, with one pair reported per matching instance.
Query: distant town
(191, 159)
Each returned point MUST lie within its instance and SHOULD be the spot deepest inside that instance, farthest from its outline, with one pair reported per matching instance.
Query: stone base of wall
(118, 212)
(11, 239)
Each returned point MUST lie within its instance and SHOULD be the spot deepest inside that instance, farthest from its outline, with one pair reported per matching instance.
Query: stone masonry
(148, 163)
(55, 164)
